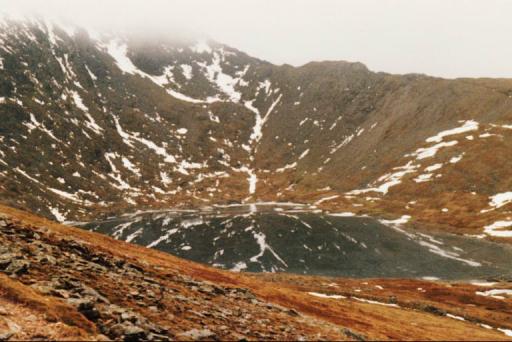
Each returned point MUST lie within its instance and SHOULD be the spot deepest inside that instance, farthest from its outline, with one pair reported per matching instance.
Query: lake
(287, 237)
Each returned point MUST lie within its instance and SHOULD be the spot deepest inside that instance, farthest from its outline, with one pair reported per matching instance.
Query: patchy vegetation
(98, 287)
(99, 125)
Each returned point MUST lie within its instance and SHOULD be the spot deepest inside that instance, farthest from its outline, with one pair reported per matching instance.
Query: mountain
(62, 283)
(96, 125)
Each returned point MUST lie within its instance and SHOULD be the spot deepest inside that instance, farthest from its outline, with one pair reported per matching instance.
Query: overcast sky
(448, 38)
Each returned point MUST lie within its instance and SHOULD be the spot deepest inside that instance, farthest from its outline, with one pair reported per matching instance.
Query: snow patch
(497, 229)
(261, 240)
(304, 154)
(325, 199)
(119, 51)
(434, 167)
(187, 71)
(260, 121)
(501, 199)
(428, 152)
(322, 295)
(467, 126)
(58, 215)
(456, 159)
(344, 214)
(364, 300)
(389, 180)
(239, 266)
(78, 101)
(496, 293)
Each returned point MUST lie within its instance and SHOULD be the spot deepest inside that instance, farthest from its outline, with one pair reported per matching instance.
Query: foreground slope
(61, 282)
(104, 123)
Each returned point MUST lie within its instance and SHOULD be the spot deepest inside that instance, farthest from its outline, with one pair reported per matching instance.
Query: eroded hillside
(99, 124)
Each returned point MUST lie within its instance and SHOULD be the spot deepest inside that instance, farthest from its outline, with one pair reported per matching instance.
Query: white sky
(448, 38)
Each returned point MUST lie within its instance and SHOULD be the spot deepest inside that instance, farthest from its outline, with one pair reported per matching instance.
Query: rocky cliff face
(101, 124)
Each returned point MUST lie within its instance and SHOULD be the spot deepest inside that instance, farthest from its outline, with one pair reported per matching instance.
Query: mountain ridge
(199, 123)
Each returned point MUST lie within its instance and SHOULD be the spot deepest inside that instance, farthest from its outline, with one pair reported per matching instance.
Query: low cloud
(447, 38)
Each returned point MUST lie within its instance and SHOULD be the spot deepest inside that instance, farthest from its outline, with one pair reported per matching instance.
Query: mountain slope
(103, 124)
(62, 282)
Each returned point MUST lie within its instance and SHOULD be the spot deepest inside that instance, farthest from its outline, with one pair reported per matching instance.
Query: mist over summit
(221, 196)
(105, 123)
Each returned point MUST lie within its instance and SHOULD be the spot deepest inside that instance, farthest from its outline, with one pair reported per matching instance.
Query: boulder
(6, 335)
(198, 334)
(89, 310)
(134, 333)
(127, 332)
(17, 267)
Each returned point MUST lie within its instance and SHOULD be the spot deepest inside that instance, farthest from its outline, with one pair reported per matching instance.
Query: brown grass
(53, 309)
(375, 321)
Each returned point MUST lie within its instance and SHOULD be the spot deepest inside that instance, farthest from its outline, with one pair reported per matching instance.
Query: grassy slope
(373, 321)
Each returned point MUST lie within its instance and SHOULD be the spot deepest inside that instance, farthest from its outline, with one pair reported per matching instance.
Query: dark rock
(239, 337)
(88, 309)
(354, 335)
(127, 331)
(136, 295)
(69, 284)
(17, 267)
(211, 289)
(158, 337)
(292, 312)
(4, 262)
(134, 267)
(101, 260)
(77, 248)
(432, 309)
(392, 300)
(133, 333)
(119, 263)
(48, 259)
(116, 331)
(241, 293)
(90, 292)
(198, 334)
(60, 293)
(128, 316)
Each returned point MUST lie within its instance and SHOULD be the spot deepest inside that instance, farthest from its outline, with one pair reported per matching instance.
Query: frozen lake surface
(294, 238)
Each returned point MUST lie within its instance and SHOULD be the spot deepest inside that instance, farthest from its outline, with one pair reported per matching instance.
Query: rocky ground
(486, 305)
(59, 282)
(123, 300)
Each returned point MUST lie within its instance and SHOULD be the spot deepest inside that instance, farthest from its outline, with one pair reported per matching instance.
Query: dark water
(289, 238)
